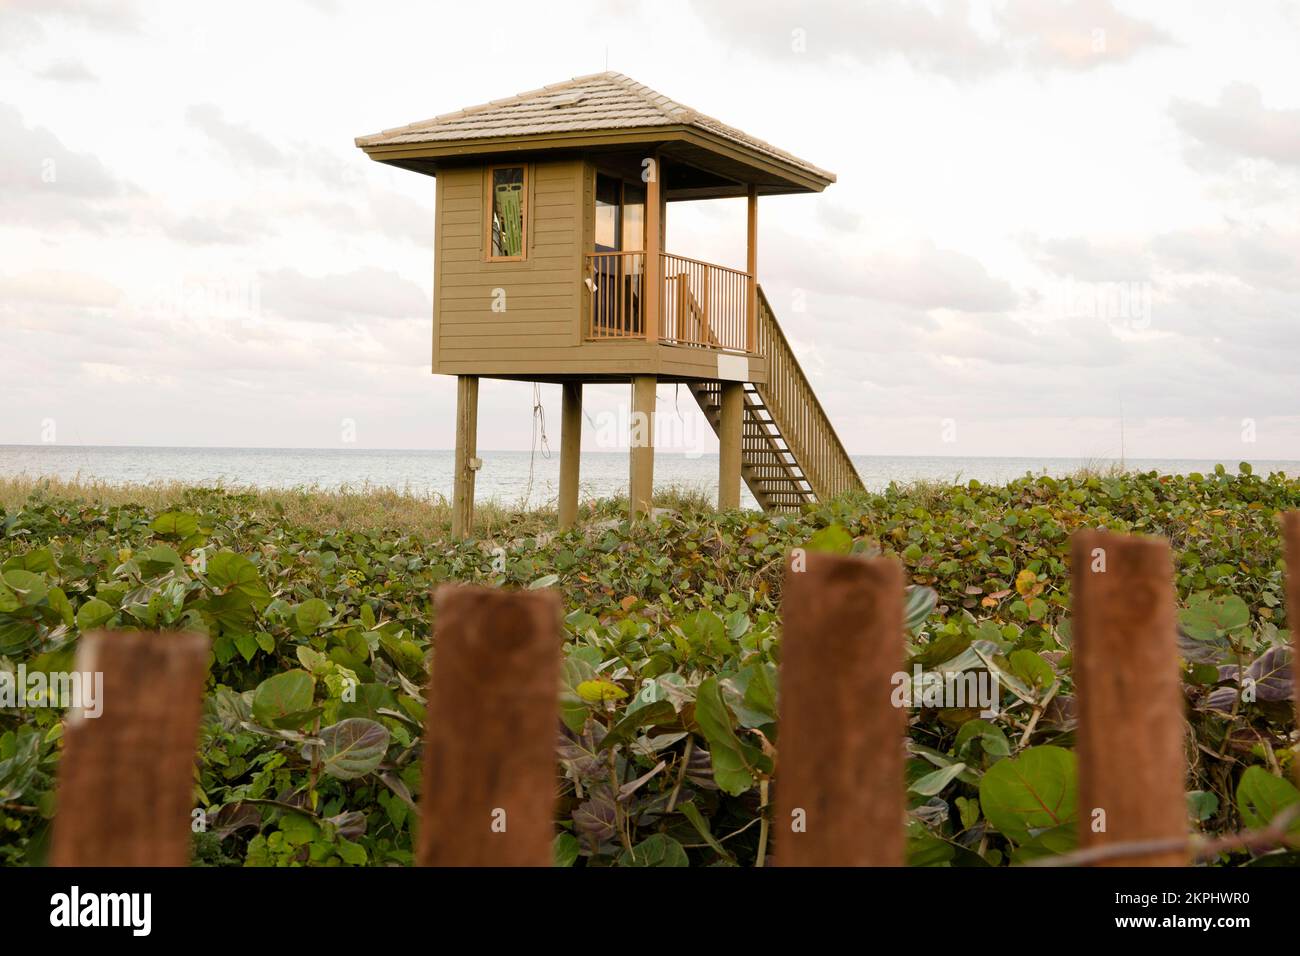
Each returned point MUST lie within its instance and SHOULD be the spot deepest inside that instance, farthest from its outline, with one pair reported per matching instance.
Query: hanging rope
(539, 439)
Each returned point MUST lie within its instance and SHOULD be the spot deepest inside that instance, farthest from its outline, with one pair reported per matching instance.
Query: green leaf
(1207, 617)
(174, 524)
(734, 763)
(27, 586)
(655, 850)
(1262, 796)
(353, 853)
(284, 700)
(564, 849)
(1202, 805)
(60, 604)
(310, 615)
(918, 603)
(234, 575)
(832, 538)
(692, 813)
(94, 613)
(353, 748)
(933, 783)
(1035, 791)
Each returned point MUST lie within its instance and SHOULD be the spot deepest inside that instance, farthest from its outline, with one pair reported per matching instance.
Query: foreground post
(126, 777)
(730, 426)
(839, 785)
(1291, 536)
(489, 759)
(570, 452)
(641, 484)
(466, 463)
(1131, 730)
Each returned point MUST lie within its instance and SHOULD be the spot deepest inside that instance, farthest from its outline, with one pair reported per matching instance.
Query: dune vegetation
(319, 611)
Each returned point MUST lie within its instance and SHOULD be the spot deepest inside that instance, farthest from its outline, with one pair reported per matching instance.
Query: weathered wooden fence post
(1131, 727)
(489, 754)
(126, 776)
(1291, 541)
(839, 783)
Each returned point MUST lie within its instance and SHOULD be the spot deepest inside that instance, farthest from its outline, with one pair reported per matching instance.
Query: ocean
(515, 478)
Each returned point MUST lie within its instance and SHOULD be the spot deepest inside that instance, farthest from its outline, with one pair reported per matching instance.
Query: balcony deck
(700, 304)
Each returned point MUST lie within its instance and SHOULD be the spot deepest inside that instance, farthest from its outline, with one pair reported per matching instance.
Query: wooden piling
(570, 452)
(642, 441)
(466, 463)
(126, 777)
(730, 429)
(1132, 767)
(489, 755)
(839, 780)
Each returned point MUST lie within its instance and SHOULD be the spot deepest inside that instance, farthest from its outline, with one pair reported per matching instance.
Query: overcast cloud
(1049, 214)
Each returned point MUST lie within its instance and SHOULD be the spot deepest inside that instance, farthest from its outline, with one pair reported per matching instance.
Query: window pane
(508, 211)
(607, 217)
(633, 218)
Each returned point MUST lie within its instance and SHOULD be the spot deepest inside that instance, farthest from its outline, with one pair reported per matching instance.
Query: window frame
(489, 205)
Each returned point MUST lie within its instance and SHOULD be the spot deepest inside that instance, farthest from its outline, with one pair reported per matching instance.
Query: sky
(1059, 228)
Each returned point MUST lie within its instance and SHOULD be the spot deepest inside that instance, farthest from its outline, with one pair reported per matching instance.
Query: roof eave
(803, 178)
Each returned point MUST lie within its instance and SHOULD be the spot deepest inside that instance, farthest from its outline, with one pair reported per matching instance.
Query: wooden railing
(798, 414)
(703, 304)
(616, 282)
(700, 304)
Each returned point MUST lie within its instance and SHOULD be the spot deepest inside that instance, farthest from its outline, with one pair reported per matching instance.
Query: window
(608, 227)
(508, 188)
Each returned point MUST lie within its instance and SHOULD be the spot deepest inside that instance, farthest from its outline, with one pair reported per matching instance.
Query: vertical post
(642, 441)
(570, 452)
(467, 463)
(1291, 536)
(489, 758)
(653, 247)
(840, 794)
(730, 428)
(1130, 737)
(126, 778)
(751, 266)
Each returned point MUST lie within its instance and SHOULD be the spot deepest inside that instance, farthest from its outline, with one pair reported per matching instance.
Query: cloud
(942, 37)
(24, 22)
(1076, 34)
(58, 288)
(66, 71)
(344, 298)
(240, 140)
(44, 183)
(1240, 125)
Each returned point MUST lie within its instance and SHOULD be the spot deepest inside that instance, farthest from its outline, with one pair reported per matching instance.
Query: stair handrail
(824, 487)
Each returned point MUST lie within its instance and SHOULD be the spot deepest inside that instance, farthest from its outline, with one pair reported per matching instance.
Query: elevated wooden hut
(550, 266)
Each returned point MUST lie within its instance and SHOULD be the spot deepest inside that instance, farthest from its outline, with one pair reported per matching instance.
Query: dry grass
(363, 508)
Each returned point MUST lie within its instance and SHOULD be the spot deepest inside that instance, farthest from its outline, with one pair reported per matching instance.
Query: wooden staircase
(790, 453)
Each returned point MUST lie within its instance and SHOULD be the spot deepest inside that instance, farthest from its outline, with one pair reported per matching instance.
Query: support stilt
(570, 451)
(729, 432)
(641, 486)
(467, 462)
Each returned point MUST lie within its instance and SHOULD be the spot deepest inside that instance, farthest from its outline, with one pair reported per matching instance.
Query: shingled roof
(601, 101)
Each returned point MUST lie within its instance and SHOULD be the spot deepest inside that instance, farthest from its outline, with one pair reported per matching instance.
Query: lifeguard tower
(550, 266)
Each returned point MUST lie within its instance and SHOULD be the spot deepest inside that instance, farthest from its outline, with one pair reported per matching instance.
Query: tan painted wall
(540, 333)
(542, 292)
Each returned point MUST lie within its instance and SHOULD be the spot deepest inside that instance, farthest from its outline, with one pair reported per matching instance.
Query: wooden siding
(542, 291)
(540, 335)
